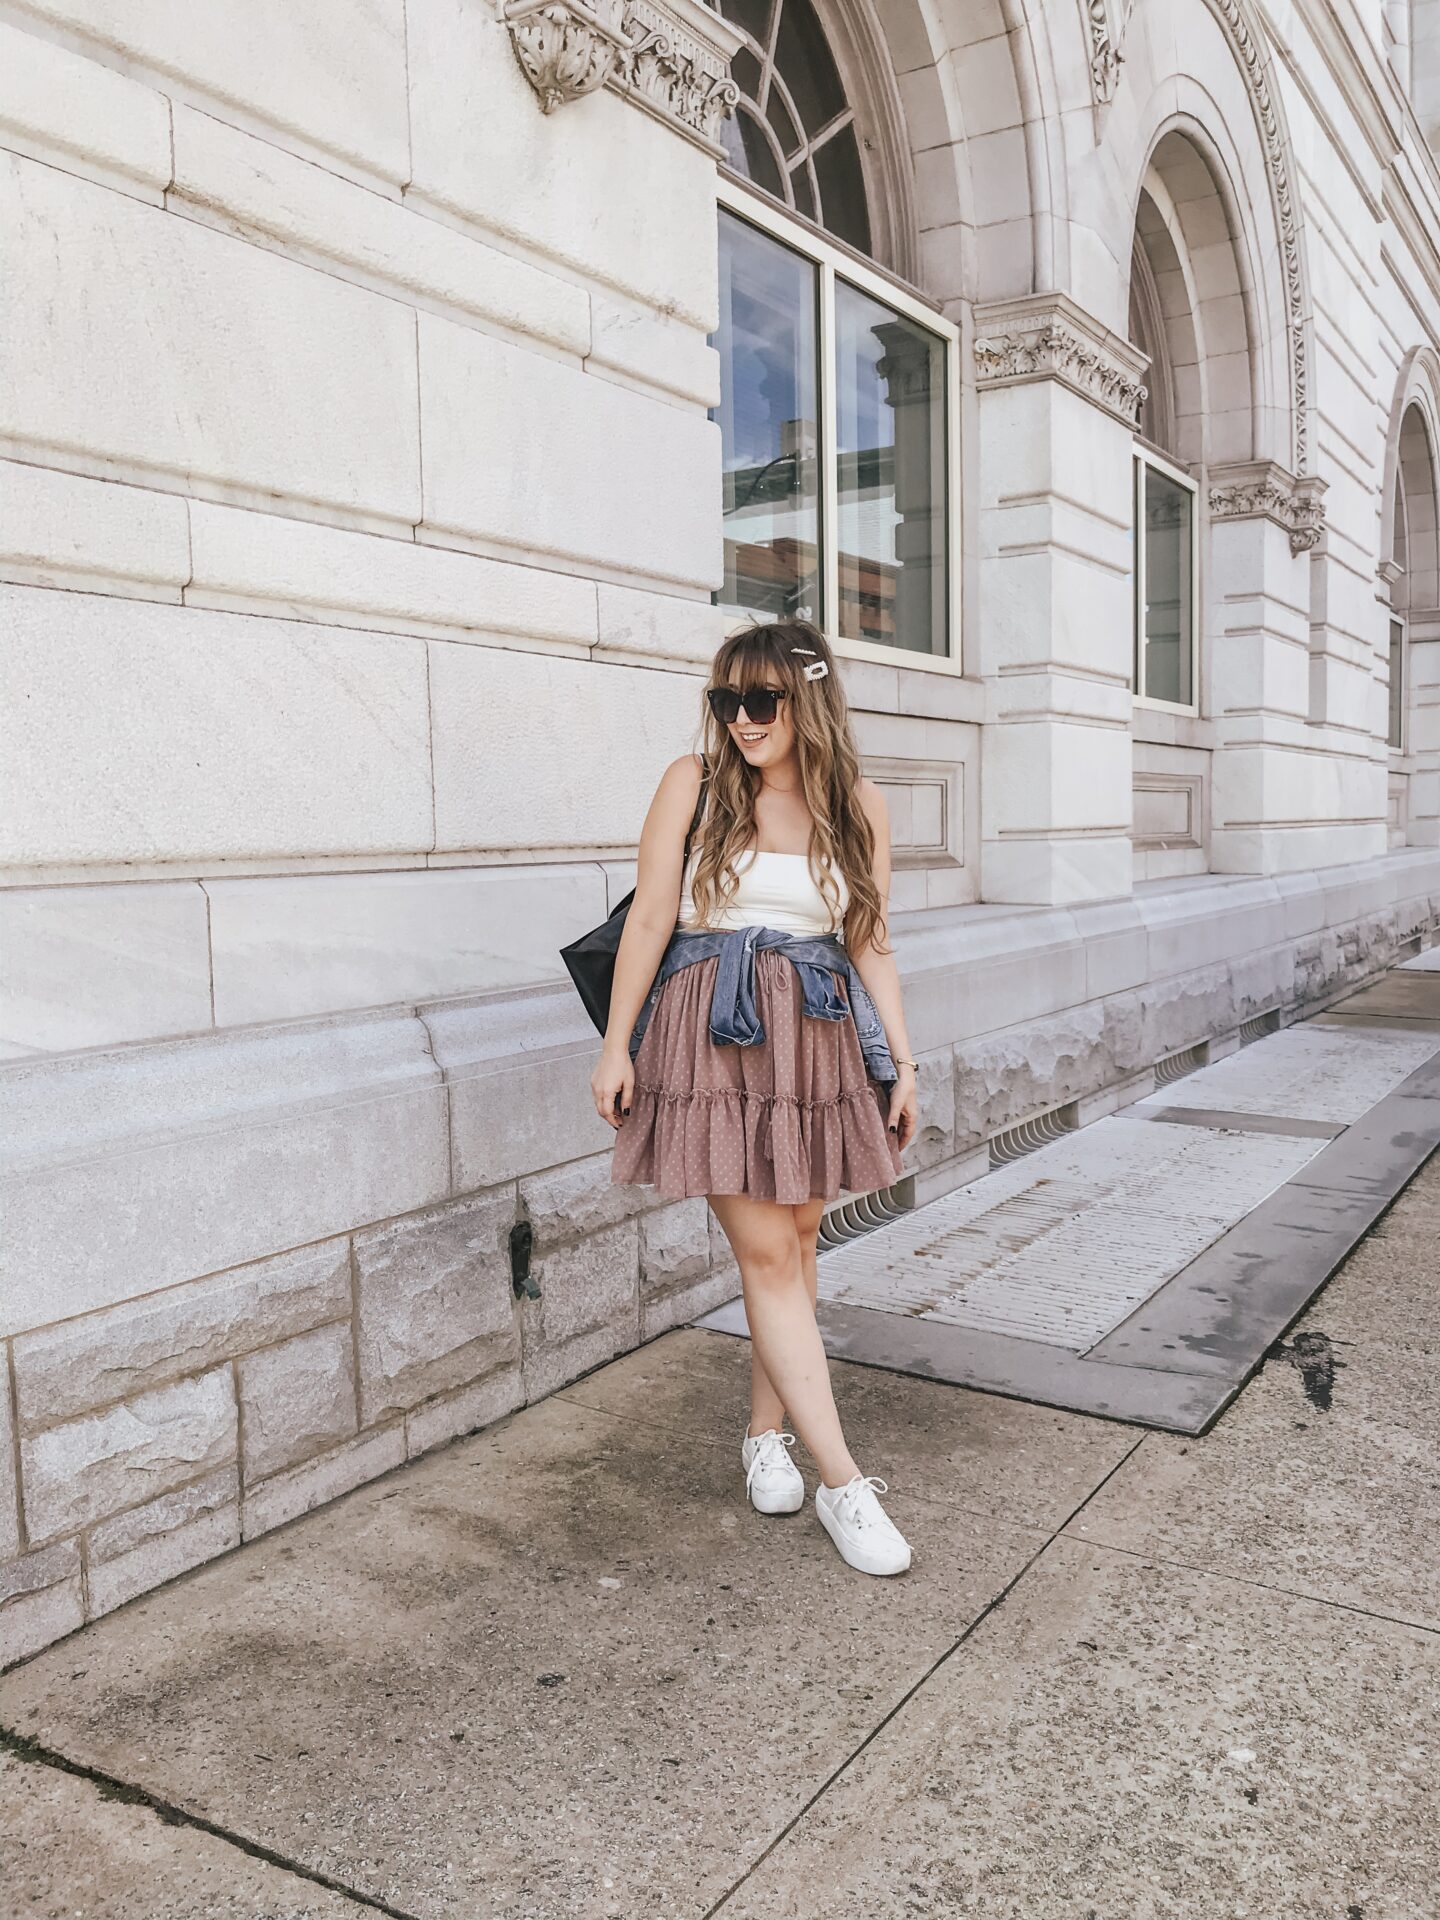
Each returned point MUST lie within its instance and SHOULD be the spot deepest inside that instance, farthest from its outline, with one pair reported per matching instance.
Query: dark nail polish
(626, 1112)
(894, 1129)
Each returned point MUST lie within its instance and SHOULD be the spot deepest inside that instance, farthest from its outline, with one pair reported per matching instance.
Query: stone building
(400, 397)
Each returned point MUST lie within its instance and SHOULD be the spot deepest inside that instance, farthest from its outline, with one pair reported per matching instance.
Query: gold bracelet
(909, 1063)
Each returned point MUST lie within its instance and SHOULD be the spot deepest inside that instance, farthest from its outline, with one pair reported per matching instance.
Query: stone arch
(980, 101)
(1410, 579)
(1192, 298)
(1229, 96)
(1411, 444)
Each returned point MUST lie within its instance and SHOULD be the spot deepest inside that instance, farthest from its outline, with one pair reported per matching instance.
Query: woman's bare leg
(767, 1409)
(780, 1307)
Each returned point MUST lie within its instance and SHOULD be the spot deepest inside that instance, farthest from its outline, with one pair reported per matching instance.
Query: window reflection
(768, 420)
(1167, 529)
(890, 446)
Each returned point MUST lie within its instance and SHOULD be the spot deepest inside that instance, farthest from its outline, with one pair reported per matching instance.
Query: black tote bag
(591, 958)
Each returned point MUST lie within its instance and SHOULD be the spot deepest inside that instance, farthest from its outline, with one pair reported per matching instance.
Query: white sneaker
(772, 1479)
(867, 1538)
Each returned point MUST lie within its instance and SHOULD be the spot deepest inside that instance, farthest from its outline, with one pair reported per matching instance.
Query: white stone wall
(359, 516)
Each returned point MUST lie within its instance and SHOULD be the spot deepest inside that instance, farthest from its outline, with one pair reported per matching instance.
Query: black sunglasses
(760, 704)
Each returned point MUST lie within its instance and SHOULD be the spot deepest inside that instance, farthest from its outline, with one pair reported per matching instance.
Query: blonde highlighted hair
(776, 654)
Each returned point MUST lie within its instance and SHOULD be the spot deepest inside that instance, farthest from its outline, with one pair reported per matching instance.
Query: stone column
(1283, 798)
(1059, 396)
(1423, 726)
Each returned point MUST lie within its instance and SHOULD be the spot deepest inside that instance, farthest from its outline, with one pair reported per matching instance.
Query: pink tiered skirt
(795, 1118)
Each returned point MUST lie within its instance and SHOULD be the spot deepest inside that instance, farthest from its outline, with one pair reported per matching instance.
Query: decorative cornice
(1106, 21)
(1048, 337)
(670, 57)
(1261, 490)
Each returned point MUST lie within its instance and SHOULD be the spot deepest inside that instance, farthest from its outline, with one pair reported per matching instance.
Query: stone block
(41, 1600)
(569, 1202)
(435, 1305)
(306, 943)
(55, 103)
(163, 1558)
(1183, 1010)
(94, 966)
(333, 77)
(512, 444)
(473, 1407)
(146, 1212)
(508, 1120)
(87, 1469)
(60, 530)
(658, 626)
(653, 349)
(9, 1491)
(590, 1284)
(97, 1358)
(548, 1368)
(674, 1247)
(520, 792)
(243, 559)
(254, 188)
(296, 1400)
(198, 735)
(302, 1489)
(607, 191)
(33, 1572)
(240, 369)
(143, 1526)
(935, 1090)
(1001, 1078)
(688, 1302)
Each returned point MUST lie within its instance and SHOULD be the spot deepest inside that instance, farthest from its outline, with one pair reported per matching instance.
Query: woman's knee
(772, 1263)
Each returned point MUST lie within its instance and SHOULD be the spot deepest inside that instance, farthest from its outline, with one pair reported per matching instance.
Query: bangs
(745, 658)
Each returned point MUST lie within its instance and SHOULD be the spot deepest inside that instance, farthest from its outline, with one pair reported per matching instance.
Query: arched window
(838, 413)
(793, 133)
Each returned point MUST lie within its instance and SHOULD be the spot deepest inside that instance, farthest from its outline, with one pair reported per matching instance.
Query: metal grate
(1176, 1065)
(1042, 1130)
(1260, 1026)
(850, 1219)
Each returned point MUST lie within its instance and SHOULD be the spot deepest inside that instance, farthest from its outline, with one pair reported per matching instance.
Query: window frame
(1144, 456)
(831, 259)
(1397, 696)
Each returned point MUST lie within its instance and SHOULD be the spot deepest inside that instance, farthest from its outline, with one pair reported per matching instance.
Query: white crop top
(776, 890)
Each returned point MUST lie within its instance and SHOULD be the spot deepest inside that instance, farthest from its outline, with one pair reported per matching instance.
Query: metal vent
(1257, 1028)
(1176, 1065)
(852, 1218)
(1039, 1131)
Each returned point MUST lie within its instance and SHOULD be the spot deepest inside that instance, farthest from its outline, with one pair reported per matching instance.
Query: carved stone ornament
(1048, 337)
(1259, 489)
(1107, 21)
(671, 57)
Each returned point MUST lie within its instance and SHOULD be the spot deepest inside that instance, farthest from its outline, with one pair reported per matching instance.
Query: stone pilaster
(1059, 396)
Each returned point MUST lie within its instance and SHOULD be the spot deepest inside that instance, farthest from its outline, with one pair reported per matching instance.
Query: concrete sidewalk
(560, 1669)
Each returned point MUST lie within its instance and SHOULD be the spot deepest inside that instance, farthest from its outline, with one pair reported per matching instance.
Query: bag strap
(699, 809)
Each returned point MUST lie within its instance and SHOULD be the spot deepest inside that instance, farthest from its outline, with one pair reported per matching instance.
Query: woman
(753, 1057)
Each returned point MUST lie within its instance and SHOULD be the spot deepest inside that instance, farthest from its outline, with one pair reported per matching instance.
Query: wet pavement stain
(1317, 1363)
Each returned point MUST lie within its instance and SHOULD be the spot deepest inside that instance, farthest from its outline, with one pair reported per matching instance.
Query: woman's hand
(613, 1085)
(904, 1107)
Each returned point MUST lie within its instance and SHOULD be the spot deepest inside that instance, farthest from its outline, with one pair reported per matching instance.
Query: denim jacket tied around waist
(820, 960)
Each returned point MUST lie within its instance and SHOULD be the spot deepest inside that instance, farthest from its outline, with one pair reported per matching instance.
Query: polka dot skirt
(796, 1118)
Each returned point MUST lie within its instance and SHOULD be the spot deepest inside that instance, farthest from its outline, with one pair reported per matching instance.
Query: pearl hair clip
(817, 669)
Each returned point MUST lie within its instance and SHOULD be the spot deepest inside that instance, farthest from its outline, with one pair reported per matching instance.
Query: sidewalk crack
(32, 1752)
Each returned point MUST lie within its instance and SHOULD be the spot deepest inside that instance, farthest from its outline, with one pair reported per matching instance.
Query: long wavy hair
(841, 839)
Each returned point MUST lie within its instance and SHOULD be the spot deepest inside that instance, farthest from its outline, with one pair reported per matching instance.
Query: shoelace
(862, 1509)
(771, 1450)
